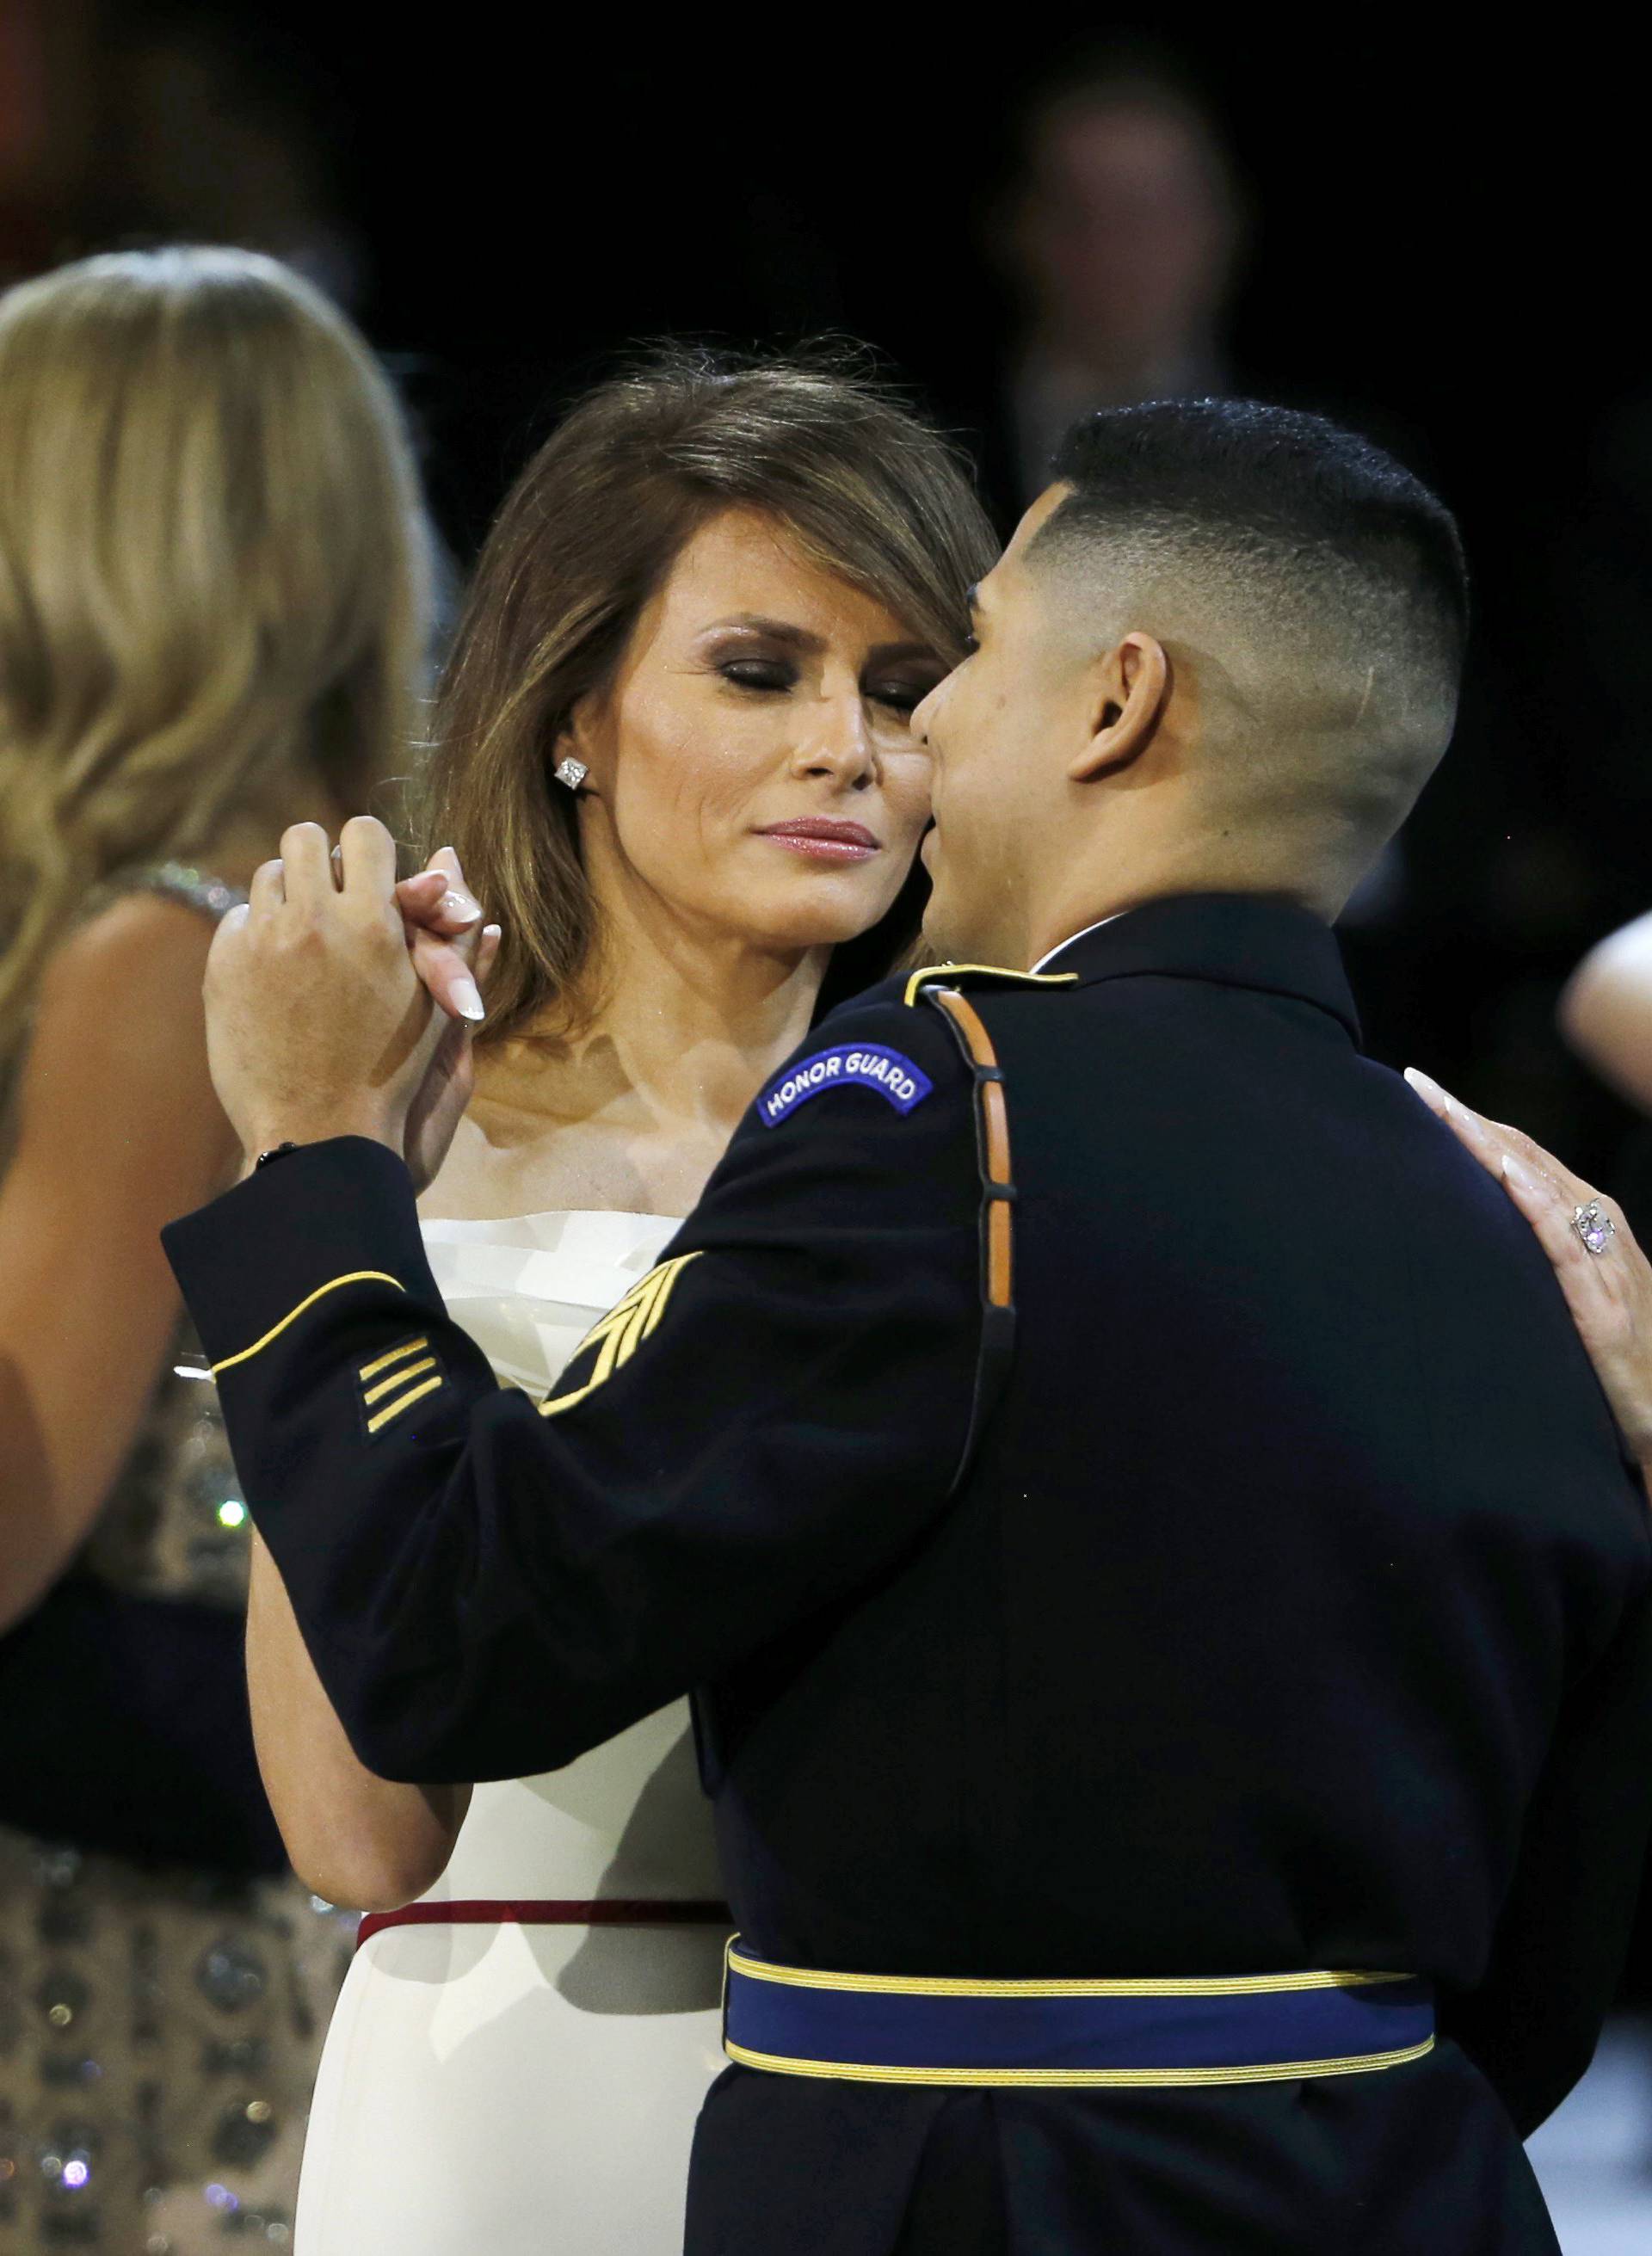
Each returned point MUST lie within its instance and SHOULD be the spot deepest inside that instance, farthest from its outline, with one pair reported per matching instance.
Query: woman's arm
(1605, 1012)
(118, 1130)
(354, 1838)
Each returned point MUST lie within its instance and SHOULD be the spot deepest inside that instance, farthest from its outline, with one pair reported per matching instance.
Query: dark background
(1445, 247)
(1440, 248)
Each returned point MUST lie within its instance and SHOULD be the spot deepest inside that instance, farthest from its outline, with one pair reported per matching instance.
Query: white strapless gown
(509, 2090)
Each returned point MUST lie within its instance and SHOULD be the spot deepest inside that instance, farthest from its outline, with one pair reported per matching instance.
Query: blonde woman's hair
(589, 532)
(214, 564)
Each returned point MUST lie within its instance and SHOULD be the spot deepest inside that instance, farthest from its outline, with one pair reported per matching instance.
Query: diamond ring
(1595, 1226)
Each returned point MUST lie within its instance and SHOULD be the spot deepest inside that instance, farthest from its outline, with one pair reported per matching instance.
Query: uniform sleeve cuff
(328, 1211)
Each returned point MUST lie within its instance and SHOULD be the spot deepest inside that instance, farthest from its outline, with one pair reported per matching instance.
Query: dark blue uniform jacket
(1288, 1607)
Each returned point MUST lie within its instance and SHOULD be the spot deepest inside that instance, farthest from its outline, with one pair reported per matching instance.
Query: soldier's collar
(1235, 940)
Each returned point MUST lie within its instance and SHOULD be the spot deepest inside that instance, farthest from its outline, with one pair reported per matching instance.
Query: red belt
(529, 1911)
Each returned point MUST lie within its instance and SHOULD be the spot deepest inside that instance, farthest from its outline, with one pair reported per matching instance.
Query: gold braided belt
(899, 2028)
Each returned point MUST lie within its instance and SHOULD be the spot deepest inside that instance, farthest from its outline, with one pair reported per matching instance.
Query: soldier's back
(1292, 1615)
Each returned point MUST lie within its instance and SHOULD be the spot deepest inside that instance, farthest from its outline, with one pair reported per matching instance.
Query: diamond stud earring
(571, 772)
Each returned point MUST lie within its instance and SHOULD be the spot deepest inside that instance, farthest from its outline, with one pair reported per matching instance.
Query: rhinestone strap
(195, 889)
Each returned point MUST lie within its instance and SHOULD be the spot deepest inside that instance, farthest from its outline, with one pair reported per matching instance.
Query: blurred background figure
(46, 78)
(1606, 1016)
(220, 135)
(1117, 235)
(180, 121)
(1605, 1012)
(213, 616)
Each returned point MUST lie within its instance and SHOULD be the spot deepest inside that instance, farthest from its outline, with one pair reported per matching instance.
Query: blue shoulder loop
(948, 972)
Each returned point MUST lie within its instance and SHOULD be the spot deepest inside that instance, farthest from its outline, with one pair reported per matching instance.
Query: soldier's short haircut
(1337, 572)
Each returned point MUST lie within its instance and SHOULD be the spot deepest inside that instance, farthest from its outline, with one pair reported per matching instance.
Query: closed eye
(900, 696)
(759, 673)
(772, 677)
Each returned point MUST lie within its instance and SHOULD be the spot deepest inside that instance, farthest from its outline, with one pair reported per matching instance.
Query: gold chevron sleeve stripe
(398, 1379)
(631, 1334)
(402, 1402)
(354, 1276)
(615, 1317)
(657, 1304)
(383, 1363)
(622, 1331)
(1273, 2072)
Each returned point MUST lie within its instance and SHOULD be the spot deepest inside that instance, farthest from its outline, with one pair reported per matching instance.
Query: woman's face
(751, 766)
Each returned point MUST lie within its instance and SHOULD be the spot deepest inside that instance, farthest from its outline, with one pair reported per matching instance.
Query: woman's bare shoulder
(143, 952)
(117, 1049)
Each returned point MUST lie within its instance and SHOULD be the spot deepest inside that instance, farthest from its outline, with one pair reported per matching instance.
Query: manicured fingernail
(468, 996)
(493, 932)
(461, 907)
(1430, 1091)
(1522, 1178)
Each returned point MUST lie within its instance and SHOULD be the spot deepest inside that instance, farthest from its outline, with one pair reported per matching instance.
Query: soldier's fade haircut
(1325, 529)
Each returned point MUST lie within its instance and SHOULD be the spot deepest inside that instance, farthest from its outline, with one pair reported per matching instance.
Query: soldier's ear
(1129, 685)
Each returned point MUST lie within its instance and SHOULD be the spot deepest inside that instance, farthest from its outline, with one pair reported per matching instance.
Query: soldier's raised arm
(488, 1586)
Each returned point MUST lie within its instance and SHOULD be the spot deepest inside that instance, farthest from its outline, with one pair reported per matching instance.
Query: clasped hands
(341, 1003)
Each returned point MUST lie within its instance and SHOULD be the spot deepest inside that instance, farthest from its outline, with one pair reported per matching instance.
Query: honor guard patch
(847, 1065)
(394, 1381)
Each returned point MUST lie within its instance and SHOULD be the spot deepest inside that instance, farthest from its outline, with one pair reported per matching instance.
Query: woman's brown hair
(587, 536)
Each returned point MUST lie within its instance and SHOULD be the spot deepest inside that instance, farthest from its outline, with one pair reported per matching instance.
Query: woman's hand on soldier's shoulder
(1609, 1293)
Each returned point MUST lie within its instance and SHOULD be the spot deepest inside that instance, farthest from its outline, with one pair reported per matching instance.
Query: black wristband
(279, 1152)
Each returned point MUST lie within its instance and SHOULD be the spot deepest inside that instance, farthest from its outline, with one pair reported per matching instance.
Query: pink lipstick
(823, 840)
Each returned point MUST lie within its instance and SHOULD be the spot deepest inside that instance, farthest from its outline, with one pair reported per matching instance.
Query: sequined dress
(532, 2090)
(160, 2028)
